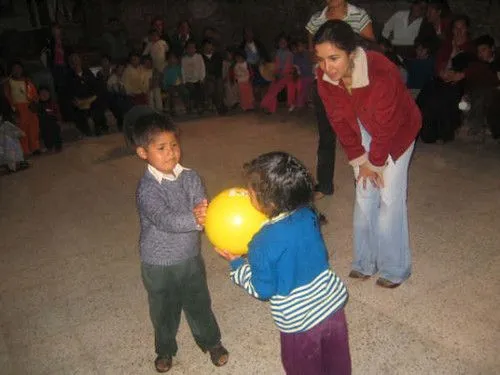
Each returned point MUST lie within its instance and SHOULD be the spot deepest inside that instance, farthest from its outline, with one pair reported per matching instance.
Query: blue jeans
(381, 239)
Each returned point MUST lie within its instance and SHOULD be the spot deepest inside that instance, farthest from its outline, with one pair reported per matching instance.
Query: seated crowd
(443, 67)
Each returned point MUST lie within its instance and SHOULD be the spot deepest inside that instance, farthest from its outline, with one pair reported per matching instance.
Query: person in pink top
(283, 78)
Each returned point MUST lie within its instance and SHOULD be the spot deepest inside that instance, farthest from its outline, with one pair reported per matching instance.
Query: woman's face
(433, 14)
(460, 30)
(335, 62)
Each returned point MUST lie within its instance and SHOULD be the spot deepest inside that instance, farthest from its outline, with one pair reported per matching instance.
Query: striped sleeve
(242, 276)
(315, 22)
(364, 19)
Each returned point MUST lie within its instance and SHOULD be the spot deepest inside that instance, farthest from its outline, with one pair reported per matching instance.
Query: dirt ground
(72, 301)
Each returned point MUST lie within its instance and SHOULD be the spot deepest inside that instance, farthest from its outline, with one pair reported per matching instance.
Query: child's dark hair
(146, 58)
(485, 40)
(240, 53)
(425, 43)
(149, 126)
(280, 181)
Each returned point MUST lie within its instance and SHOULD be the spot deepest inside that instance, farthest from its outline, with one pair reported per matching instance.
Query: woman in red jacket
(376, 121)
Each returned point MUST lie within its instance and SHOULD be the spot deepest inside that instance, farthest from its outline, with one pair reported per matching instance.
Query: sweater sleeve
(197, 189)
(163, 216)
(389, 26)
(258, 276)
(348, 137)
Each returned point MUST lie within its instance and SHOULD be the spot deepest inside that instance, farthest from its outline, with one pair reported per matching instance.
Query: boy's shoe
(358, 275)
(218, 355)
(163, 363)
(384, 283)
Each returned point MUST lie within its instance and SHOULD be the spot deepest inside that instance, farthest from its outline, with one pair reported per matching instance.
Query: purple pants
(322, 350)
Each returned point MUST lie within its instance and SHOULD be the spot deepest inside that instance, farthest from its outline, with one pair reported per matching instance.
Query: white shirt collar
(360, 76)
(160, 176)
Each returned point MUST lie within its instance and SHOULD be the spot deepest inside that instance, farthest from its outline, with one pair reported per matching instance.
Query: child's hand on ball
(200, 212)
(226, 254)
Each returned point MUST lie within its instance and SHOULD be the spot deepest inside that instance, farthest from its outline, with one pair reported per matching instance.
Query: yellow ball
(232, 221)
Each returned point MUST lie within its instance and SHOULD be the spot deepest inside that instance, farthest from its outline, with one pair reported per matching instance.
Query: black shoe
(163, 363)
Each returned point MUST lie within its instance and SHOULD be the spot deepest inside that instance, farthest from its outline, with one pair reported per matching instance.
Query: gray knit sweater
(169, 233)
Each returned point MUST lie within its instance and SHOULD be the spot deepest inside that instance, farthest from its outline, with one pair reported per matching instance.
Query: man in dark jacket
(214, 85)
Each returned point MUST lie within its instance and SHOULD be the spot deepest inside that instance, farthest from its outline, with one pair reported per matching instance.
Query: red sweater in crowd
(381, 102)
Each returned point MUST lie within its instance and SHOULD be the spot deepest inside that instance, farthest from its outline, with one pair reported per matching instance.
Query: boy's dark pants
(51, 132)
(196, 96)
(172, 289)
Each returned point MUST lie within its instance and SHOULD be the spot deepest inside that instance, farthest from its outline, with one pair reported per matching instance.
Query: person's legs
(327, 143)
(322, 350)
(165, 305)
(197, 304)
(97, 112)
(270, 100)
(303, 91)
(81, 121)
(394, 255)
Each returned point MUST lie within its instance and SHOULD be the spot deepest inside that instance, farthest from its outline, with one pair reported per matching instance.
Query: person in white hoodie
(193, 75)
(403, 27)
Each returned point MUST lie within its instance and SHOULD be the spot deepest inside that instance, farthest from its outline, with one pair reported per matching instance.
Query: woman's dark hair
(339, 33)
(343, 37)
(485, 40)
(184, 22)
(280, 181)
(149, 126)
(441, 6)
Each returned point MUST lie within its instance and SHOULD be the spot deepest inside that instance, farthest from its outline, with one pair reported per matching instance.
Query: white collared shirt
(160, 176)
(399, 31)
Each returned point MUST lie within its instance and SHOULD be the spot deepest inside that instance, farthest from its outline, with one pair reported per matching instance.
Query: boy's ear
(141, 152)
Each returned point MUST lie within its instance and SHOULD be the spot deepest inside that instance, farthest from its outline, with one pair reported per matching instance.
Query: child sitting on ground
(11, 152)
(288, 265)
(50, 118)
(172, 206)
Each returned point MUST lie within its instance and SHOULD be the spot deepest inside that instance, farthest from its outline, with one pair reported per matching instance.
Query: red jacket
(444, 54)
(383, 105)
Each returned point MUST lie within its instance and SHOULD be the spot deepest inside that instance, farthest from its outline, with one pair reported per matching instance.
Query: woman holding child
(377, 122)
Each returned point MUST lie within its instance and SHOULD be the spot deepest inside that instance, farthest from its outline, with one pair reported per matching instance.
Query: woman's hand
(226, 254)
(366, 174)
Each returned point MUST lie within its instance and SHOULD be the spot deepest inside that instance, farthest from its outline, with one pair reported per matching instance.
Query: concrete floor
(72, 301)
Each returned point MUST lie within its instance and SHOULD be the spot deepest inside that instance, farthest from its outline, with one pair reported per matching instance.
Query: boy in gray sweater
(172, 207)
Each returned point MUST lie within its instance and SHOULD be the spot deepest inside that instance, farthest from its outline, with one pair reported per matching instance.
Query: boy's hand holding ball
(200, 212)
